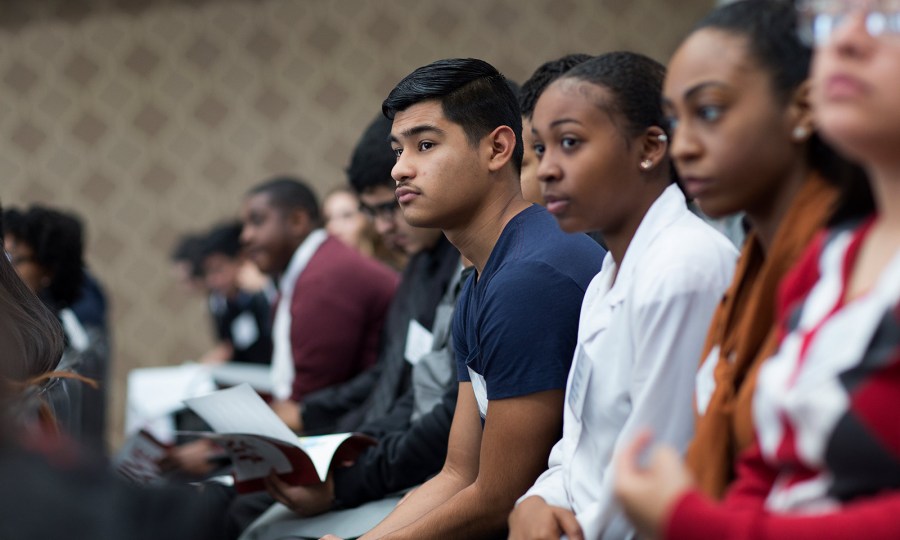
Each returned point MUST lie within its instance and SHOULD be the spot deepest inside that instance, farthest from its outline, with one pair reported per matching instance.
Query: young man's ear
(298, 221)
(502, 143)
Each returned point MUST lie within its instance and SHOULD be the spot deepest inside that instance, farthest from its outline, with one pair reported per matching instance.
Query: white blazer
(639, 345)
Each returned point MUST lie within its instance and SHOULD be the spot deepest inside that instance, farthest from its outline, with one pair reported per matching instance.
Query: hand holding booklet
(258, 442)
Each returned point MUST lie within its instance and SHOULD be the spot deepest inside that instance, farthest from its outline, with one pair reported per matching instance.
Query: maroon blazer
(338, 307)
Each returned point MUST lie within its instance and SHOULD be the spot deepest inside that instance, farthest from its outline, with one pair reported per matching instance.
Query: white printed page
(321, 449)
(240, 410)
(253, 457)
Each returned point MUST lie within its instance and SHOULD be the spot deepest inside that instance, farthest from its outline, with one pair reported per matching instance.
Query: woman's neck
(766, 219)
(883, 240)
(885, 182)
(618, 239)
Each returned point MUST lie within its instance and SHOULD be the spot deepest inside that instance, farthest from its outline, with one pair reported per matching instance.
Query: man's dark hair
(372, 159)
(770, 28)
(472, 94)
(188, 250)
(289, 193)
(542, 77)
(56, 240)
(223, 239)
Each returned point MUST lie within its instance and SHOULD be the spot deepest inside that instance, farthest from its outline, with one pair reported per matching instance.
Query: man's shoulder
(530, 284)
(540, 233)
(538, 259)
(336, 263)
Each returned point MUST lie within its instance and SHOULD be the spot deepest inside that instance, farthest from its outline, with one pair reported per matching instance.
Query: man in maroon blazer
(332, 299)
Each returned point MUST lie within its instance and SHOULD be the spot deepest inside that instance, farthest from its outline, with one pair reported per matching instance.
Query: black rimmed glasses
(383, 211)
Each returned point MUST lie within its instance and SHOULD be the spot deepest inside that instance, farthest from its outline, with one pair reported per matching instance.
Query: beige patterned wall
(151, 118)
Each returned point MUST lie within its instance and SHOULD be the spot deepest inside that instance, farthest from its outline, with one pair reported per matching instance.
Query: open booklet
(258, 442)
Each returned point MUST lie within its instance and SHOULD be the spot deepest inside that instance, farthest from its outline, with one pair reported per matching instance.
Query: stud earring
(800, 133)
(646, 164)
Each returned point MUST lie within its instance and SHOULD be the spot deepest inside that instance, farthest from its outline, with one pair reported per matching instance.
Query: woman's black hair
(542, 77)
(635, 83)
(30, 337)
(770, 27)
(56, 240)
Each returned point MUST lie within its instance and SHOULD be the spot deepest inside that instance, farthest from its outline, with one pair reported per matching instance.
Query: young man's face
(380, 204)
(441, 178)
(270, 234)
(220, 273)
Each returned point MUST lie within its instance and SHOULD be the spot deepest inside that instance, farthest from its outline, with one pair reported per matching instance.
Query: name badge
(581, 375)
(244, 331)
(418, 342)
(705, 381)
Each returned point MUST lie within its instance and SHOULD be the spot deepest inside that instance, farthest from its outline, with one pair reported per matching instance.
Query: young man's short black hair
(289, 193)
(223, 239)
(56, 239)
(542, 77)
(187, 250)
(472, 93)
(372, 159)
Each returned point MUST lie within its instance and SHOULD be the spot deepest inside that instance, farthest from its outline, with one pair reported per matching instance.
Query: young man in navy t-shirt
(457, 136)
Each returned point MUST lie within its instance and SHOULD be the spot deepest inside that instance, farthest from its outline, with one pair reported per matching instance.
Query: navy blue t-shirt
(517, 325)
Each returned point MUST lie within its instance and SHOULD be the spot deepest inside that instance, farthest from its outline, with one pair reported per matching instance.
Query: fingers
(534, 519)
(632, 455)
(289, 412)
(277, 482)
(667, 458)
(166, 463)
(628, 467)
(569, 525)
(277, 489)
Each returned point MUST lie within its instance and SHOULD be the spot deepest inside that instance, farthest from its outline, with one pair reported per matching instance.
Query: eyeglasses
(819, 19)
(384, 211)
(16, 261)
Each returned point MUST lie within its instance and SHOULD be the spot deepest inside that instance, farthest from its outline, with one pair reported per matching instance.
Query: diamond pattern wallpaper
(151, 118)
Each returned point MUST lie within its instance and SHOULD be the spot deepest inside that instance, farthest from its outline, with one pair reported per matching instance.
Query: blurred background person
(242, 317)
(46, 248)
(346, 221)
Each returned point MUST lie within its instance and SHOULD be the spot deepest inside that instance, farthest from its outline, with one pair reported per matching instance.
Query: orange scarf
(743, 327)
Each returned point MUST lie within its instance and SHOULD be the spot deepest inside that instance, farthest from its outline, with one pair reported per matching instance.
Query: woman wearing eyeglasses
(826, 462)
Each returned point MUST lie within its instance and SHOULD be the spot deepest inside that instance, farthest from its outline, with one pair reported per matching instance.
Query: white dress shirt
(282, 353)
(639, 345)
